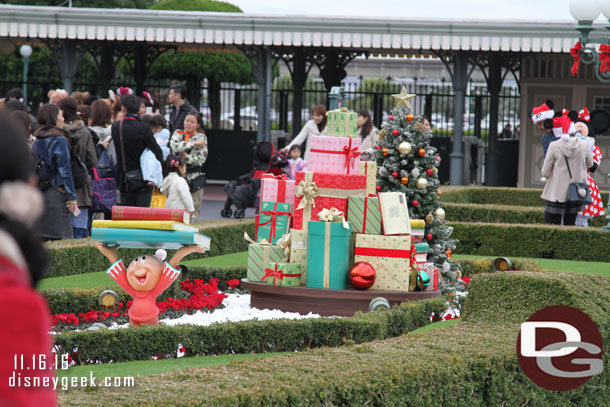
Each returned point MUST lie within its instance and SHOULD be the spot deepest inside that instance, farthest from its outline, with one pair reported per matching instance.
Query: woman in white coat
(314, 127)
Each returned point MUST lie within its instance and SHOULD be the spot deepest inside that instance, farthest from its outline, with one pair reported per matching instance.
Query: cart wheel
(240, 214)
(226, 213)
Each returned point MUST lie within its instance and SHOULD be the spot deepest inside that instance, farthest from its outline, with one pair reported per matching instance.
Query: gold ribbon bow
(263, 242)
(309, 192)
(284, 243)
(333, 215)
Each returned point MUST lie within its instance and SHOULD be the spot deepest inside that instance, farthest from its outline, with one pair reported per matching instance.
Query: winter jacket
(298, 165)
(547, 139)
(25, 331)
(136, 137)
(367, 145)
(102, 132)
(177, 116)
(181, 142)
(51, 146)
(176, 189)
(310, 129)
(579, 157)
(86, 148)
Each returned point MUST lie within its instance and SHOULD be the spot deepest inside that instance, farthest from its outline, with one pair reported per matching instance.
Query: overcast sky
(543, 10)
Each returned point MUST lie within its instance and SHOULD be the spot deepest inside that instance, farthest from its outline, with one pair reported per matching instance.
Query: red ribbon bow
(575, 52)
(584, 114)
(277, 274)
(123, 90)
(274, 214)
(350, 154)
(604, 57)
(413, 253)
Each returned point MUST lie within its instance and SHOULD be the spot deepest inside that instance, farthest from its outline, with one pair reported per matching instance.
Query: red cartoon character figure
(146, 277)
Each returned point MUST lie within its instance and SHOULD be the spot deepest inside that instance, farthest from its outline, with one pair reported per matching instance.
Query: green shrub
(472, 363)
(245, 337)
(81, 256)
(497, 196)
(540, 241)
(460, 212)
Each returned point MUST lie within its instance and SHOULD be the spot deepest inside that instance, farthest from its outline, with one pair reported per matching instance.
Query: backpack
(40, 169)
(79, 169)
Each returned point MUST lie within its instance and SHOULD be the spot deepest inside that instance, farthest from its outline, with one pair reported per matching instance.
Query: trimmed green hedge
(77, 257)
(245, 337)
(497, 196)
(541, 241)
(472, 363)
(460, 212)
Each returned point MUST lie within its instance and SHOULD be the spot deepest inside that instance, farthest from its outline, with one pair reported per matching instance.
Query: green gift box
(274, 221)
(283, 274)
(364, 213)
(328, 254)
(342, 123)
(298, 251)
(259, 257)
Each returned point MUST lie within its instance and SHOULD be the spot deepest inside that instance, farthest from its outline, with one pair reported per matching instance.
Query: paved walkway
(214, 198)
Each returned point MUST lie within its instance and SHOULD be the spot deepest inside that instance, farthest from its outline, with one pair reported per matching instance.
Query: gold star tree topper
(403, 98)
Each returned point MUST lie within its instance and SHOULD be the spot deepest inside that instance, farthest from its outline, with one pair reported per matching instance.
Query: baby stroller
(242, 191)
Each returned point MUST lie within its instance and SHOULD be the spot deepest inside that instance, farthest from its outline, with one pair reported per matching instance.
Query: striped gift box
(339, 155)
(259, 256)
(364, 214)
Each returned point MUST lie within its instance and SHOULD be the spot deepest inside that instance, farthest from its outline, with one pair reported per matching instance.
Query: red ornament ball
(362, 275)
(395, 174)
(415, 203)
(422, 152)
(390, 117)
(378, 147)
(429, 236)
(409, 117)
(429, 171)
(378, 188)
(394, 132)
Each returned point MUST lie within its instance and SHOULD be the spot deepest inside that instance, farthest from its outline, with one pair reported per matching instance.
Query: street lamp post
(25, 52)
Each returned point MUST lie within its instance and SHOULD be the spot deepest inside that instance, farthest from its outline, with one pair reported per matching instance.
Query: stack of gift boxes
(311, 231)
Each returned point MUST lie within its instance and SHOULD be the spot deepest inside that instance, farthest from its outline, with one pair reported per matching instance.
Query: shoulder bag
(578, 192)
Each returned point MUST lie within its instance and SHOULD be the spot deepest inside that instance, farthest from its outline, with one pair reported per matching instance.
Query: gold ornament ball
(405, 147)
(404, 180)
(439, 213)
(382, 133)
(458, 274)
(429, 218)
(435, 170)
(409, 117)
(422, 183)
(420, 127)
(385, 151)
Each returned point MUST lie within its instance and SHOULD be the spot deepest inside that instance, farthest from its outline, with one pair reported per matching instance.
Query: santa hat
(542, 112)
(563, 126)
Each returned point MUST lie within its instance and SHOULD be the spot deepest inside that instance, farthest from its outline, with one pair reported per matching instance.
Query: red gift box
(318, 190)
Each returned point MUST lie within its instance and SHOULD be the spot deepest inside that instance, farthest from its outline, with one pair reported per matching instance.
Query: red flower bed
(202, 296)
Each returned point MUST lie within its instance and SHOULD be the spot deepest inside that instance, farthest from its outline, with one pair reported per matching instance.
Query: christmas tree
(407, 163)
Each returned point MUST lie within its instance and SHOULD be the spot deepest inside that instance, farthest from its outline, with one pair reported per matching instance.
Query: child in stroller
(242, 191)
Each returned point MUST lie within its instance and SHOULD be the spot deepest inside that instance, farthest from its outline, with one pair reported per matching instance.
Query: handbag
(197, 183)
(578, 192)
(132, 180)
(103, 197)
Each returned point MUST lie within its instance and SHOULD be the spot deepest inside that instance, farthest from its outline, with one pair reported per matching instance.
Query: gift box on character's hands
(390, 256)
(274, 221)
(259, 256)
(418, 229)
(369, 169)
(339, 155)
(283, 274)
(276, 188)
(420, 251)
(328, 251)
(364, 214)
(342, 123)
(317, 191)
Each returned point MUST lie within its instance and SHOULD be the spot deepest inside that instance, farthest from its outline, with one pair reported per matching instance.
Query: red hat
(563, 125)
(543, 112)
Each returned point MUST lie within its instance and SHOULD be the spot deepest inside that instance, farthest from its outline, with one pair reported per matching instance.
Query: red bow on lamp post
(604, 58)
(575, 52)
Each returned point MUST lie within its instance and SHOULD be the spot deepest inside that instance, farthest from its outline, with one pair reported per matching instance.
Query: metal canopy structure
(300, 41)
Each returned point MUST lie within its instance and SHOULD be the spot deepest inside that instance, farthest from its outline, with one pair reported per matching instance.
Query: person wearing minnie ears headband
(175, 188)
(23, 262)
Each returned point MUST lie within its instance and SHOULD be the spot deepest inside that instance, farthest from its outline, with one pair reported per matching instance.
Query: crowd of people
(77, 139)
(570, 156)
